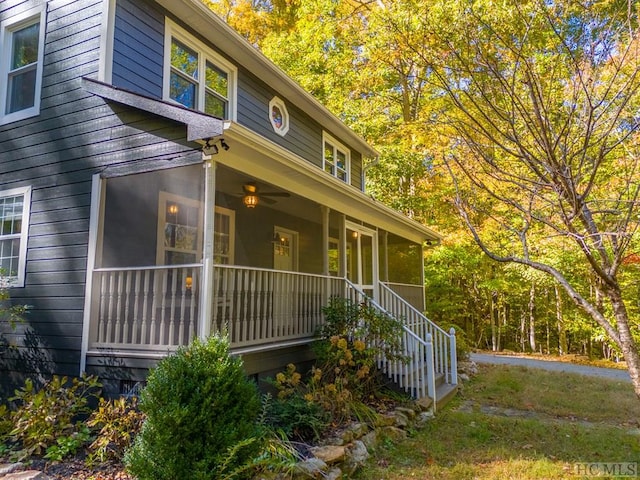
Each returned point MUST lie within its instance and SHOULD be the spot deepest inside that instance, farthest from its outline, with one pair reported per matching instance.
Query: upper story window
(21, 58)
(197, 77)
(14, 220)
(279, 116)
(336, 159)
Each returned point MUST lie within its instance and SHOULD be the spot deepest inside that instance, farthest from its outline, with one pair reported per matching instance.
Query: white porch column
(325, 239)
(342, 229)
(206, 284)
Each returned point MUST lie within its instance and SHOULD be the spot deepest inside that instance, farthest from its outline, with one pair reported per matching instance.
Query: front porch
(181, 252)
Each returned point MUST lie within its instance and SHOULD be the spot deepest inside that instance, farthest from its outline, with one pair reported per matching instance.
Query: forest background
(511, 127)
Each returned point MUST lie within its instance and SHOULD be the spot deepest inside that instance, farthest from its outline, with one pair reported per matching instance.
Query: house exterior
(160, 179)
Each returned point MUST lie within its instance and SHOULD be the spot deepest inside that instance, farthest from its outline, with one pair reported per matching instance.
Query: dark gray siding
(57, 152)
(137, 66)
(138, 48)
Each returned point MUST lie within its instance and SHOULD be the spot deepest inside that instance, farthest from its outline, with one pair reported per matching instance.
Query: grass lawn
(519, 423)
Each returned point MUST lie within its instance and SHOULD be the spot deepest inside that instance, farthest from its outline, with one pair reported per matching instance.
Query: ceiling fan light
(250, 200)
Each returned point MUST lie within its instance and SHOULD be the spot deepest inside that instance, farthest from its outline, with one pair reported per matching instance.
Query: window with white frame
(337, 158)
(14, 221)
(196, 76)
(21, 58)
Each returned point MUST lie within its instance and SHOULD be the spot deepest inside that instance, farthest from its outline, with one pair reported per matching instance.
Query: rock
(333, 474)
(358, 430)
(26, 475)
(371, 439)
(463, 377)
(424, 403)
(10, 467)
(386, 420)
(401, 420)
(329, 454)
(357, 455)
(424, 418)
(409, 412)
(311, 467)
(394, 434)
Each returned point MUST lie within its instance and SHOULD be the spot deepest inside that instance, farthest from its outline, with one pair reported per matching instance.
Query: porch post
(342, 229)
(424, 293)
(325, 239)
(206, 284)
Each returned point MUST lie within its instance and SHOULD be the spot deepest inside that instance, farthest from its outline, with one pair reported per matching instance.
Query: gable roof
(199, 17)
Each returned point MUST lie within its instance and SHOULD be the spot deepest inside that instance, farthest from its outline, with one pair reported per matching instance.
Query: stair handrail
(417, 376)
(444, 344)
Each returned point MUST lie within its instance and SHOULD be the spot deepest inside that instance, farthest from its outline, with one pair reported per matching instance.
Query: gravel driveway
(611, 373)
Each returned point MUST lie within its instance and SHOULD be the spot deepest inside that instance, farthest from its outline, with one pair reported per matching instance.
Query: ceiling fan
(252, 195)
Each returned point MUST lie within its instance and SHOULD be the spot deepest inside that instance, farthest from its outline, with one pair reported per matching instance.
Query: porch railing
(157, 308)
(258, 306)
(145, 308)
(444, 343)
(412, 294)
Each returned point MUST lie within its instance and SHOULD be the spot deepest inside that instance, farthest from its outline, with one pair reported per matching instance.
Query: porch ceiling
(260, 158)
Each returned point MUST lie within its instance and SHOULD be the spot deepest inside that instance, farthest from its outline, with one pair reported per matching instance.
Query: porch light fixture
(188, 283)
(223, 144)
(250, 200)
(276, 238)
(172, 209)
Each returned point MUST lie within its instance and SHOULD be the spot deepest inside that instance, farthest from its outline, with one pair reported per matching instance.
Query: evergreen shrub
(201, 416)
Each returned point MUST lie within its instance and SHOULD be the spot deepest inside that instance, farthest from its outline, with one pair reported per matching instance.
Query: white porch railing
(156, 309)
(258, 306)
(412, 294)
(145, 308)
(425, 357)
(444, 343)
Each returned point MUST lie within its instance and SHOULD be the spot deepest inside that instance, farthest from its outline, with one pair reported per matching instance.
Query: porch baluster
(121, 291)
(194, 288)
(163, 305)
(136, 309)
(172, 310)
(128, 322)
(145, 308)
(155, 283)
(183, 325)
(110, 314)
(103, 308)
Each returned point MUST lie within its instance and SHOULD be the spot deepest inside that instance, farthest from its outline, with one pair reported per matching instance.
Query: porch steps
(445, 392)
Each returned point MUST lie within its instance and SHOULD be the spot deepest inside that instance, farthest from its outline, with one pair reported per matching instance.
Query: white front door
(362, 258)
(285, 250)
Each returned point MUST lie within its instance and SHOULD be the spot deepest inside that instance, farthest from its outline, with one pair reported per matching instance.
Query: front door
(285, 250)
(362, 254)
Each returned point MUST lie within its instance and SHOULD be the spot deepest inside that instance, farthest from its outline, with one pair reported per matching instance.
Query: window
(197, 77)
(22, 45)
(14, 221)
(224, 236)
(179, 230)
(278, 116)
(337, 158)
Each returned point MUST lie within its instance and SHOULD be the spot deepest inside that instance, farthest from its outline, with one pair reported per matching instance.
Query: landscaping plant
(201, 417)
(49, 420)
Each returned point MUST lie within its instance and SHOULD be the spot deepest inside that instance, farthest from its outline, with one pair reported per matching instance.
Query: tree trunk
(627, 343)
(562, 332)
(492, 315)
(532, 320)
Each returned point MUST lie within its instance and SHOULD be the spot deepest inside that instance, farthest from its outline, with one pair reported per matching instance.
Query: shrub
(45, 416)
(118, 422)
(201, 416)
(297, 418)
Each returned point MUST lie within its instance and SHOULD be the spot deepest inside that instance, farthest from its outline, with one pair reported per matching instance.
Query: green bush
(49, 416)
(297, 418)
(202, 416)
